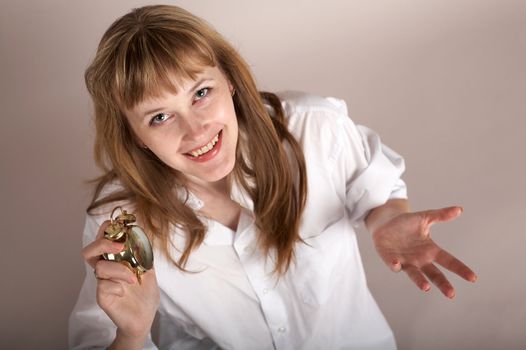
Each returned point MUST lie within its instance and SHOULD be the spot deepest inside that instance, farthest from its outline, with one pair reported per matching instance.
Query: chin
(221, 173)
(217, 174)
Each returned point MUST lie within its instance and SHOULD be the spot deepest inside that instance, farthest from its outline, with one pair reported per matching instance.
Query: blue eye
(201, 93)
(159, 118)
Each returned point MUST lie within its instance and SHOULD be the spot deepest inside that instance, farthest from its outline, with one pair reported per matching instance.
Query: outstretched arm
(403, 240)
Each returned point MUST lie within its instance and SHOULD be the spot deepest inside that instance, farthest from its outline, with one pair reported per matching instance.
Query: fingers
(442, 215)
(392, 262)
(117, 272)
(456, 266)
(100, 245)
(109, 287)
(395, 265)
(102, 227)
(418, 278)
(439, 280)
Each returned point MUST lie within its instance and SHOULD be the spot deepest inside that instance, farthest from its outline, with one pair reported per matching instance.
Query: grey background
(443, 82)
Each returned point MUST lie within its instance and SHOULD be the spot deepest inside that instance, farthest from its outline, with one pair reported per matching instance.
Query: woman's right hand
(129, 304)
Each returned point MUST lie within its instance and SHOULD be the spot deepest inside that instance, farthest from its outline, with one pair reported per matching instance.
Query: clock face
(140, 245)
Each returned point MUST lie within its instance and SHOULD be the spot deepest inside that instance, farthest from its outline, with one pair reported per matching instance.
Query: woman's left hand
(405, 243)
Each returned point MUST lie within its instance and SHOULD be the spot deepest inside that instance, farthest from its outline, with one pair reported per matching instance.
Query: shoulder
(112, 188)
(306, 113)
(318, 121)
(295, 102)
(105, 205)
(330, 139)
(96, 216)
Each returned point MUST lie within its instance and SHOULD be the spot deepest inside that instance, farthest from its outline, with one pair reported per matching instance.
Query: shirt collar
(217, 233)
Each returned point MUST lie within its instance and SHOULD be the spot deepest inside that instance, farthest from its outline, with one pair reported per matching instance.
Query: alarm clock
(137, 253)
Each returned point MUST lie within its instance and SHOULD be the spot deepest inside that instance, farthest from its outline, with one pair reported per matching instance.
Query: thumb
(443, 214)
(392, 262)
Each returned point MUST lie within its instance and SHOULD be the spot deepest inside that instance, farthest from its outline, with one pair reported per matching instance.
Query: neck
(217, 188)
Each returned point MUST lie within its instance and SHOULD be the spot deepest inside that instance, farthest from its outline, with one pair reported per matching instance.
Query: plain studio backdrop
(443, 82)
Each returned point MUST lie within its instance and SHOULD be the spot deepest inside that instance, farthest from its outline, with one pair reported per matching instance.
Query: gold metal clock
(137, 253)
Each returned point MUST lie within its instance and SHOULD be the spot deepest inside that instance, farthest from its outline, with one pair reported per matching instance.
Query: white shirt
(235, 302)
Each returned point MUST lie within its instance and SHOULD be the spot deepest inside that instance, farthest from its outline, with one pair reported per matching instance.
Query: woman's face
(194, 131)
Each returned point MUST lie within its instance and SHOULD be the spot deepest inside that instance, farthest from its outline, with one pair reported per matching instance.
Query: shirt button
(246, 249)
(265, 290)
(282, 329)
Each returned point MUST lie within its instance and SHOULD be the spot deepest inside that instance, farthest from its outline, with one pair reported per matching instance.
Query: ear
(140, 143)
(231, 88)
(137, 140)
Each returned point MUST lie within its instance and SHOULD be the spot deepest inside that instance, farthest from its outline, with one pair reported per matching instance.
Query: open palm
(404, 243)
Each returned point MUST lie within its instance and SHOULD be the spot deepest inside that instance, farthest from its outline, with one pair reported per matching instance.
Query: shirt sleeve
(371, 170)
(89, 326)
(380, 179)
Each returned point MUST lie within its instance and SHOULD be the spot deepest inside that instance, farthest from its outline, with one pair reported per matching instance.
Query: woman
(250, 201)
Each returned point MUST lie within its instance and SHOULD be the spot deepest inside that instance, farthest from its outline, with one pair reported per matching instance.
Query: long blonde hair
(133, 62)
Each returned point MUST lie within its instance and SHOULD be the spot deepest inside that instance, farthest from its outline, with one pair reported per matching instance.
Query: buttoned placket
(258, 270)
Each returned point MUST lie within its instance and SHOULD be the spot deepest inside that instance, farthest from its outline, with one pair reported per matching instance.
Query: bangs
(151, 62)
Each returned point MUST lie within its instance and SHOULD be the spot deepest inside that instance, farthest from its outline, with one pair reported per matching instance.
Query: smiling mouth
(201, 151)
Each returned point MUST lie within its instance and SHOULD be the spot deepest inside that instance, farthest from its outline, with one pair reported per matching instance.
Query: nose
(193, 125)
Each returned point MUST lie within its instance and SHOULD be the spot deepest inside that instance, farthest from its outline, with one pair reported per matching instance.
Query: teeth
(205, 148)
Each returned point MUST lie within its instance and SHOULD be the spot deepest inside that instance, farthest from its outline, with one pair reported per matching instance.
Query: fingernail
(117, 247)
(395, 266)
(426, 287)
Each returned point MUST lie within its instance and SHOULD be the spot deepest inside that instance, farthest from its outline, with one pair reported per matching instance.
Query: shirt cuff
(379, 181)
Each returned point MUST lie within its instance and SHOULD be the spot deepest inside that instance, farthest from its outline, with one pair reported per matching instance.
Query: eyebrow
(155, 110)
